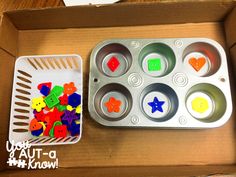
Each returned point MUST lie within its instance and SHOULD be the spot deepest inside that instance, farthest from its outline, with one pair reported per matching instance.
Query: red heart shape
(48, 84)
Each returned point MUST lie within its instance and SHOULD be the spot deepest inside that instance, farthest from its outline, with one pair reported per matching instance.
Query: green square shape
(51, 100)
(57, 90)
(154, 64)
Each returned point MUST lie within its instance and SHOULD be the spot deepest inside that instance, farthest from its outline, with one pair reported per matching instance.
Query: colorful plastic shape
(69, 88)
(36, 128)
(57, 90)
(200, 105)
(61, 107)
(48, 109)
(51, 100)
(197, 64)
(69, 116)
(44, 127)
(156, 105)
(78, 109)
(53, 116)
(69, 108)
(113, 63)
(47, 130)
(75, 128)
(154, 64)
(37, 132)
(34, 125)
(35, 112)
(113, 105)
(38, 104)
(45, 90)
(65, 122)
(47, 84)
(60, 131)
(51, 132)
(40, 116)
(63, 99)
(74, 100)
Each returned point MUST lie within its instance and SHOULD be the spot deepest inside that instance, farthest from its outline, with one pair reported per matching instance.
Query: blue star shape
(156, 105)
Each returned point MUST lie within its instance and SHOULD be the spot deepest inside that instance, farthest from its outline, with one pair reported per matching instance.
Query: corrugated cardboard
(104, 150)
(124, 14)
(165, 171)
(8, 36)
(233, 56)
(6, 73)
(230, 28)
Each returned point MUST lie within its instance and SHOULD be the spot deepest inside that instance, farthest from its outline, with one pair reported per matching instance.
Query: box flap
(233, 58)
(8, 36)
(145, 13)
(230, 28)
(7, 63)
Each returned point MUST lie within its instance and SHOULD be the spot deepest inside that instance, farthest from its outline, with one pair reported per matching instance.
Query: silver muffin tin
(165, 83)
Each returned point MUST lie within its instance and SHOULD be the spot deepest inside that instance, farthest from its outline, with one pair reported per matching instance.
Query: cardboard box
(105, 151)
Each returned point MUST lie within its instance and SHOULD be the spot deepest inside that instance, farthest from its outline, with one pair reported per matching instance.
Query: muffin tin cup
(159, 102)
(157, 59)
(206, 102)
(110, 98)
(201, 59)
(161, 68)
(113, 60)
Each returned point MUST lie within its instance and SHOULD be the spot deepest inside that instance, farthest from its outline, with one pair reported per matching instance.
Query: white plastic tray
(31, 71)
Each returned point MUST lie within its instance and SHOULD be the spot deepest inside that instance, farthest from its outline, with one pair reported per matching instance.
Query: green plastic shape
(57, 90)
(61, 107)
(154, 64)
(51, 100)
(51, 132)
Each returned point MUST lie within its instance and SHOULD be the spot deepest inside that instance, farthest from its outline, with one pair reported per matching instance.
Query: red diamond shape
(113, 63)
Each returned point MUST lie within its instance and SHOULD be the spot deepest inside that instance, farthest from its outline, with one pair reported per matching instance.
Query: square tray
(31, 71)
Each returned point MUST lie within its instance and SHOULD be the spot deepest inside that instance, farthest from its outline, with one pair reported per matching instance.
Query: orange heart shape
(197, 64)
(35, 125)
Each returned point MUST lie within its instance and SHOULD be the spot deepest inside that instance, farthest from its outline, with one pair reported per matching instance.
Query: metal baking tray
(165, 83)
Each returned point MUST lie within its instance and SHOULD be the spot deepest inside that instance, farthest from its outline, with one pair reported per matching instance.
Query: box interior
(45, 33)
(115, 146)
(166, 171)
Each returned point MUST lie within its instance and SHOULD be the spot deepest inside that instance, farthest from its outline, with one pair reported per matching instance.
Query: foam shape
(38, 104)
(200, 105)
(197, 64)
(69, 88)
(156, 105)
(113, 64)
(74, 100)
(154, 64)
(51, 100)
(48, 84)
(113, 105)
